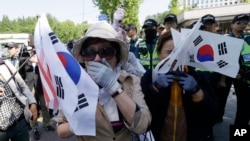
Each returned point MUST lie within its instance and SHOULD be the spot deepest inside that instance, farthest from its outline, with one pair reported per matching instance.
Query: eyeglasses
(107, 52)
(241, 22)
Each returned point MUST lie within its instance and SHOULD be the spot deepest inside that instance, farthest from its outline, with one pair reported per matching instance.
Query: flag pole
(17, 70)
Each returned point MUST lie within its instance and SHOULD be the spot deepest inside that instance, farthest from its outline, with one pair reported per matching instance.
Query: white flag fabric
(48, 90)
(178, 54)
(215, 52)
(164, 65)
(204, 50)
(76, 92)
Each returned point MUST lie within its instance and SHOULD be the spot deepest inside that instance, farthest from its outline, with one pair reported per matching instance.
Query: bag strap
(17, 85)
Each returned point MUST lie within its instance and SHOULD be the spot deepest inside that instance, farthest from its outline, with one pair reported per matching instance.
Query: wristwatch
(119, 91)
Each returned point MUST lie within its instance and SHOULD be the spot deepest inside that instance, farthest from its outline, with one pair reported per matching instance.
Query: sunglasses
(241, 22)
(107, 52)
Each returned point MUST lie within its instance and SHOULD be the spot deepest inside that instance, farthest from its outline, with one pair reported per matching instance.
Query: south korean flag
(204, 50)
(214, 52)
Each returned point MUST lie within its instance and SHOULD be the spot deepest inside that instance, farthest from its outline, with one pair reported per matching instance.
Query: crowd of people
(181, 105)
(23, 90)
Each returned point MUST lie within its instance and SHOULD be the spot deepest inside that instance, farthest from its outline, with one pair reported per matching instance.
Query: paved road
(49, 135)
(221, 130)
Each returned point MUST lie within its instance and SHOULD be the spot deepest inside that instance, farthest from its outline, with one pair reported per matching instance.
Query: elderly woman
(121, 108)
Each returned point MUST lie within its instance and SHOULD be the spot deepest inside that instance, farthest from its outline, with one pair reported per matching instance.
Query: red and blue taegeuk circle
(71, 66)
(205, 53)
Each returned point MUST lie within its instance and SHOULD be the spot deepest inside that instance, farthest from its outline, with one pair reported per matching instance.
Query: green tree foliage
(82, 28)
(6, 25)
(174, 7)
(53, 22)
(132, 10)
(159, 17)
(131, 7)
(108, 7)
(66, 31)
(246, 1)
(25, 25)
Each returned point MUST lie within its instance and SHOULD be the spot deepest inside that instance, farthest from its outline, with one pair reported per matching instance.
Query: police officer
(242, 82)
(217, 80)
(133, 38)
(13, 51)
(170, 21)
(146, 48)
(209, 25)
(239, 24)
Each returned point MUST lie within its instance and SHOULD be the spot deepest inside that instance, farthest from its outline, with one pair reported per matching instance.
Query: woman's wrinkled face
(97, 51)
(167, 48)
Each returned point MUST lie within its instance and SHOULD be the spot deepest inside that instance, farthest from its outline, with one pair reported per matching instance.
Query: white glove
(104, 76)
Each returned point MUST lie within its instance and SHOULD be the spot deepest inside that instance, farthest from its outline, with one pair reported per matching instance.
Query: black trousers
(222, 94)
(18, 132)
(243, 104)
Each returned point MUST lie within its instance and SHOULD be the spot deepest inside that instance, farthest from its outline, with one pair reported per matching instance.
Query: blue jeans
(19, 132)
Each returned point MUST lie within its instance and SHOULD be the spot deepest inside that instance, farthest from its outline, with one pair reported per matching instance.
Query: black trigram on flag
(191, 58)
(197, 40)
(53, 38)
(221, 63)
(82, 102)
(59, 87)
(222, 48)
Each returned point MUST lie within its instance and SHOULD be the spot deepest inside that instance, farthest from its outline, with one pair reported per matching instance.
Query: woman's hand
(164, 80)
(187, 82)
(33, 110)
(103, 76)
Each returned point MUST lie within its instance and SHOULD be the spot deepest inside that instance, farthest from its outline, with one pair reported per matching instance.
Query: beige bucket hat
(105, 31)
